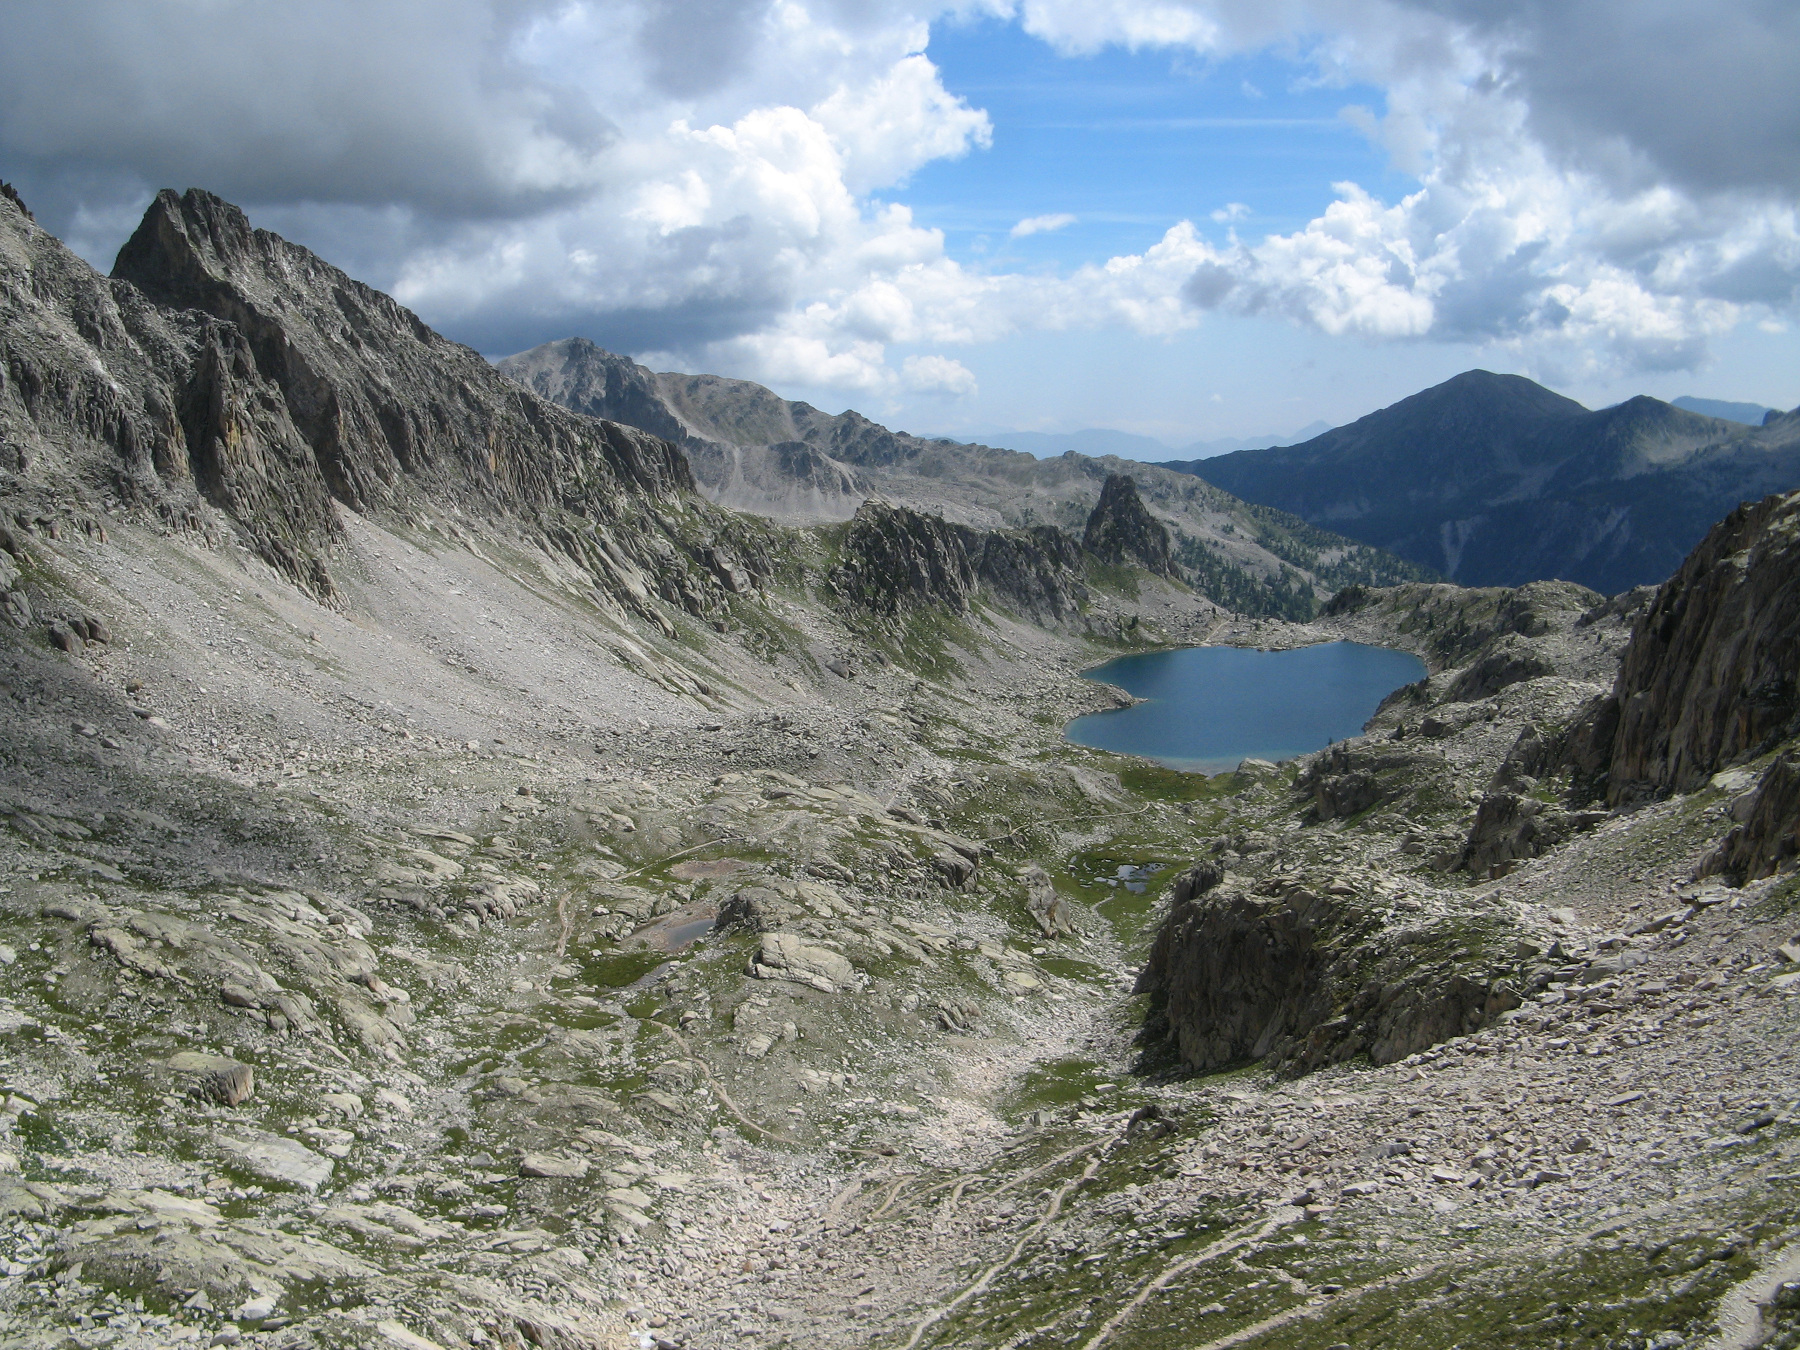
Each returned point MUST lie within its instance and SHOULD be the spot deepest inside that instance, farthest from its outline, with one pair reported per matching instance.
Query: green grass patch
(618, 970)
(1157, 783)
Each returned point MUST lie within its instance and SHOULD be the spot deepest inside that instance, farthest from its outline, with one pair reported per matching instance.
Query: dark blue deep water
(1209, 707)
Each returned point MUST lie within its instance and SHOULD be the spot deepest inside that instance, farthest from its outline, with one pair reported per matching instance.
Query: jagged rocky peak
(110, 402)
(227, 382)
(1122, 530)
(384, 402)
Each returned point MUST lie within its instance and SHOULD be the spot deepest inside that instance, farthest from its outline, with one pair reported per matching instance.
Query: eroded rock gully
(596, 927)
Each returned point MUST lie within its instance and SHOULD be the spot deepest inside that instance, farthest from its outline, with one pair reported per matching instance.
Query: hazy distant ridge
(1099, 441)
(1495, 480)
(1751, 414)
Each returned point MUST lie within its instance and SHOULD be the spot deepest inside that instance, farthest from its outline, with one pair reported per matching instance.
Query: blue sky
(1250, 214)
(1129, 142)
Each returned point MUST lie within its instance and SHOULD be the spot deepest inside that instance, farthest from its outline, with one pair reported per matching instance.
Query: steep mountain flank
(1494, 480)
(1709, 677)
(755, 451)
(385, 403)
(224, 367)
(1708, 681)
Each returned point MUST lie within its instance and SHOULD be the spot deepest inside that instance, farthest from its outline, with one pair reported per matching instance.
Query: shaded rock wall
(1769, 837)
(896, 559)
(1301, 977)
(1709, 677)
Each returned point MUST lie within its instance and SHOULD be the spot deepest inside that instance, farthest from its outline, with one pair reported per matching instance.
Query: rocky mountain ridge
(222, 367)
(758, 452)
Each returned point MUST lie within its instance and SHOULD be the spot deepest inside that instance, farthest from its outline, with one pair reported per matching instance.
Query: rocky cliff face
(896, 559)
(1768, 839)
(1709, 677)
(1300, 976)
(1120, 530)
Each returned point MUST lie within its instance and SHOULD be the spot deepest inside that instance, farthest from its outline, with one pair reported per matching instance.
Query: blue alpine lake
(1207, 708)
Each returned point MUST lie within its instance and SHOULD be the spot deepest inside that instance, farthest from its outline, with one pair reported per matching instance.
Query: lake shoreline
(1206, 709)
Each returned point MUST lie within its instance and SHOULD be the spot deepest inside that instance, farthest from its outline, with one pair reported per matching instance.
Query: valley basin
(1207, 708)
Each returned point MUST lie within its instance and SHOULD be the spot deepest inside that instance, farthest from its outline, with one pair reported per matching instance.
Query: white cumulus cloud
(1042, 224)
(1604, 182)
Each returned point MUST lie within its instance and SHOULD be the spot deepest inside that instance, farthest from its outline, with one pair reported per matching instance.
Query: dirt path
(1740, 1310)
(1044, 1221)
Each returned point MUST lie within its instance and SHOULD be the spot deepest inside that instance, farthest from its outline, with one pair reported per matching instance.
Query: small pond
(1207, 708)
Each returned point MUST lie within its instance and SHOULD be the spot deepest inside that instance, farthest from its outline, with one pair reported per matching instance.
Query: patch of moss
(1157, 783)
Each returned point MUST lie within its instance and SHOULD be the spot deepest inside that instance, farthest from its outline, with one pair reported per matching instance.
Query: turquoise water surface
(1209, 707)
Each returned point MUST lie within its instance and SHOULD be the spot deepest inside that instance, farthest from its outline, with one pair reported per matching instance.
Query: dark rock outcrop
(1121, 531)
(896, 559)
(1348, 779)
(108, 401)
(1300, 977)
(1510, 827)
(1034, 572)
(1584, 750)
(1769, 837)
(1510, 661)
(1709, 678)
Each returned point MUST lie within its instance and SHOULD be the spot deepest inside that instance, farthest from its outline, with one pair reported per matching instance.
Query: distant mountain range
(1097, 441)
(1495, 480)
(1751, 414)
(755, 451)
(1226, 445)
